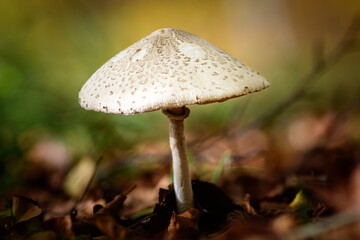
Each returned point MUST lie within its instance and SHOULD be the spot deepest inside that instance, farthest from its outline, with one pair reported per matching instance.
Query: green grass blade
(9, 206)
(220, 167)
(142, 213)
(5, 212)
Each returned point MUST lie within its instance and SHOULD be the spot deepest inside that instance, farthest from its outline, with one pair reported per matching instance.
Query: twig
(89, 183)
(325, 226)
(322, 64)
(130, 190)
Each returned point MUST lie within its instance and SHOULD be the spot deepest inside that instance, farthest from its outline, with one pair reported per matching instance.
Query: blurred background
(48, 50)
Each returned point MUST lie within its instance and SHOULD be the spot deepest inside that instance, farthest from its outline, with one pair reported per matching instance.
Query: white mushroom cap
(169, 68)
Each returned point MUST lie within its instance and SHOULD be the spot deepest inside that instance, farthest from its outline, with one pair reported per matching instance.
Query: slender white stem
(181, 171)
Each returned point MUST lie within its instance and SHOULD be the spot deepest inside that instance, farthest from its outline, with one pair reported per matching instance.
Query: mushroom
(168, 70)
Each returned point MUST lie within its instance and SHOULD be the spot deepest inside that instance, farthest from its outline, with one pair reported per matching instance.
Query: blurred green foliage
(48, 49)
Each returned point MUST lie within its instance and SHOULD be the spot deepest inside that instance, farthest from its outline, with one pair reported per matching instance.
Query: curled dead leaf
(182, 226)
(24, 208)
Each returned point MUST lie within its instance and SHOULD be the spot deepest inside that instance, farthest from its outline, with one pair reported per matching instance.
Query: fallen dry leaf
(62, 226)
(24, 208)
(108, 225)
(182, 226)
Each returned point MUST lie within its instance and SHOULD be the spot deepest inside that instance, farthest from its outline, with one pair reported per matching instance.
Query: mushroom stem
(181, 171)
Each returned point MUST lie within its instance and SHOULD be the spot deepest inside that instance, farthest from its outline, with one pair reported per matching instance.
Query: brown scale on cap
(167, 69)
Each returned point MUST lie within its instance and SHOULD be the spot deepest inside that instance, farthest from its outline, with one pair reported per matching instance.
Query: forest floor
(296, 178)
(300, 183)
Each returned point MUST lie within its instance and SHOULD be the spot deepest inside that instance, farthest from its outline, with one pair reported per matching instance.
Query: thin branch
(321, 65)
(98, 161)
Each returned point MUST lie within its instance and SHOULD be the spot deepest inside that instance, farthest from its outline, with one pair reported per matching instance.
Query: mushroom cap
(169, 68)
